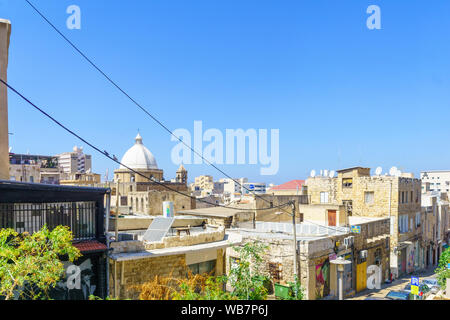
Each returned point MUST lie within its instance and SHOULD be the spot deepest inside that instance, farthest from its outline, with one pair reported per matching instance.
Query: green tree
(246, 276)
(30, 265)
(442, 271)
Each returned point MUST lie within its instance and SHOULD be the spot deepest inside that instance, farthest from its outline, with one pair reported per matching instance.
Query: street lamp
(340, 266)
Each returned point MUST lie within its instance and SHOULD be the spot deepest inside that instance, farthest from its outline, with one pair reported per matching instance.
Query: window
(417, 219)
(203, 267)
(347, 182)
(324, 197)
(403, 223)
(369, 197)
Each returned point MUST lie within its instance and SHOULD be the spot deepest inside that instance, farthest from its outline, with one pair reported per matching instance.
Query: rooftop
(291, 185)
(222, 212)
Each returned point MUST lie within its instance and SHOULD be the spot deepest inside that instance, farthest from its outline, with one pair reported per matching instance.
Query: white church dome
(139, 157)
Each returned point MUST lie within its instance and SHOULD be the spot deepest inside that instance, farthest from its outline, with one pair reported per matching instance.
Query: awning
(90, 246)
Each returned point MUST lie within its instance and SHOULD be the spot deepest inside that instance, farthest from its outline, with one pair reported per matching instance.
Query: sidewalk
(397, 284)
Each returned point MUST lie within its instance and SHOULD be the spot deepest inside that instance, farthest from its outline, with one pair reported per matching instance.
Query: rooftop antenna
(378, 171)
(393, 171)
(313, 173)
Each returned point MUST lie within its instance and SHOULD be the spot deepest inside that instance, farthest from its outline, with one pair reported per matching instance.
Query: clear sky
(340, 94)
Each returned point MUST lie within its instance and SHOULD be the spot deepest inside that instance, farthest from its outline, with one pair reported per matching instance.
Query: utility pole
(295, 247)
(116, 226)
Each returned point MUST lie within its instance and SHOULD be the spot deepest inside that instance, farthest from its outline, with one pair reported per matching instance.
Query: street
(397, 284)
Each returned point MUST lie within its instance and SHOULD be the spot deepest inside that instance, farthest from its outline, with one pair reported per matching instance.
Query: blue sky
(340, 94)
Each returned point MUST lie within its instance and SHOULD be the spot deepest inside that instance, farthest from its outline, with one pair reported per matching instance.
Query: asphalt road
(397, 284)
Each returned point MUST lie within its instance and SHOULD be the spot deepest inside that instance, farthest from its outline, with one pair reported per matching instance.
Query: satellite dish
(10, 148)
(393, 171)
(378, 171)
(325, 173)
(321, 172)
(332, 173)
(313, 173)
(398, 173)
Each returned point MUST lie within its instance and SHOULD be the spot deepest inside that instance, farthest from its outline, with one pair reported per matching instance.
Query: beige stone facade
(81, 179)
(134, 263)
(396, 197)
(5, 32)
(317, 275)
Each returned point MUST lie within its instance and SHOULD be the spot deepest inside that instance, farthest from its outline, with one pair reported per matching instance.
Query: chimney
(5, 32)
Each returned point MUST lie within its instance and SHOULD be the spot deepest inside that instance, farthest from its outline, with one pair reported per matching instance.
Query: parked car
(422, 288)
(378, 298)
(397, 295)
(433, 285)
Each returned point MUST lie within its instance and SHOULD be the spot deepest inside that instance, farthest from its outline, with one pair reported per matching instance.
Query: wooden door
(332, 218)
(361, 276)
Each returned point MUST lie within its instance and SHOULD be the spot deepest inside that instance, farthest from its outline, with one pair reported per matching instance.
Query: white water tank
(168, 209)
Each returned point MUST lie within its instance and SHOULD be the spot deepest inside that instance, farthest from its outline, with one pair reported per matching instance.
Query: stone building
(34, 168)
(318, 245)
(5, 33)
(434, 226)
(396, 197)
(135, 262)
(141, 185)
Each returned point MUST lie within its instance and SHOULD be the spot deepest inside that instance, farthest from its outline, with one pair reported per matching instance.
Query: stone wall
(131, 274)
(169, 242)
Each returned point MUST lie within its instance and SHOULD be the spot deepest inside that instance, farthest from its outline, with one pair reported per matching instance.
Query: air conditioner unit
(363, 254)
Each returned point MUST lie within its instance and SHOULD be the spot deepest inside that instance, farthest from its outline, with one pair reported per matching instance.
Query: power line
(134, 101)
(106, 154)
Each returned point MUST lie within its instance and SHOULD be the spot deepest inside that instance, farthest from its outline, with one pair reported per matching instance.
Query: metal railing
(80, 217)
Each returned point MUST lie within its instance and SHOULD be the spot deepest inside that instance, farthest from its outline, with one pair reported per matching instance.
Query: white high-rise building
(75, 161)
(435, 180)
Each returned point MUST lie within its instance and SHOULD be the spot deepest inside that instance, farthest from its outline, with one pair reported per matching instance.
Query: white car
(433, 285)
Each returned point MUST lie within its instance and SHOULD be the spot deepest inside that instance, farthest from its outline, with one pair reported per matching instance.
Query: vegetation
(30, 265)
(442, 271)
(297, 292)
(245, 277)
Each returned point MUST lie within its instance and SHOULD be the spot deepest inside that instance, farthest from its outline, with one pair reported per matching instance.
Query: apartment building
(362, 194)
(75, 161)
(438, 180)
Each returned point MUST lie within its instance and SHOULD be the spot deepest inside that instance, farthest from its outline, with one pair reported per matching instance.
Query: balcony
(27, 207)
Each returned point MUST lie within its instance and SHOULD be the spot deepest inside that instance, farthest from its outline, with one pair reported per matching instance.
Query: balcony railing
(80, 217)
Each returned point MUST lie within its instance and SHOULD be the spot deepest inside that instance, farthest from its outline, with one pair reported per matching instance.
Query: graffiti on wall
(322, 278)
(78, 284)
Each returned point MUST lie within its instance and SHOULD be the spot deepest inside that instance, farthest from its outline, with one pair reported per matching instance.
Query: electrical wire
(134, 101)
(106, 154)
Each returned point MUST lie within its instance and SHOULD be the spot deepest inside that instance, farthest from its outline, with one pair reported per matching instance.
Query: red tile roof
(291, 185)
(89, 246)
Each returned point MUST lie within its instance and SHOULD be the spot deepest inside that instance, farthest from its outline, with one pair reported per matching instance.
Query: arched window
(142, 205)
